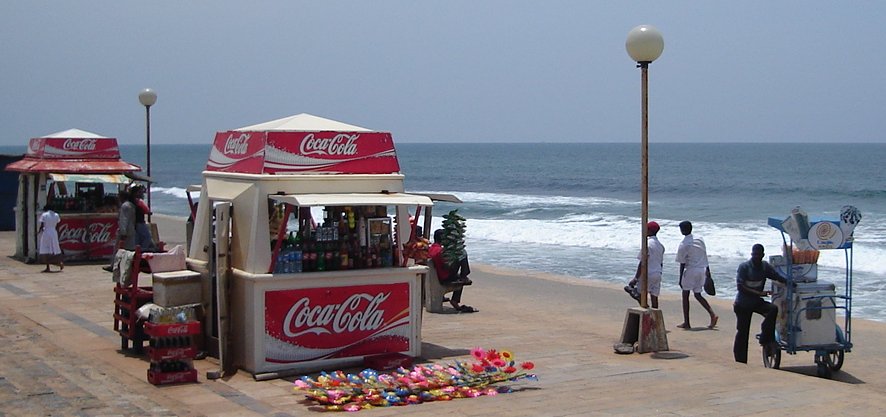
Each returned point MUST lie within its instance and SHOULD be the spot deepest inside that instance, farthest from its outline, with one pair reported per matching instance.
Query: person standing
(143, 236)
(751, 281)
(655, 255)
(693, 258)
(126, 234)
(49, 251)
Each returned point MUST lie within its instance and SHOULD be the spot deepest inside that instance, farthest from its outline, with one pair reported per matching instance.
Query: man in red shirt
(455, 273)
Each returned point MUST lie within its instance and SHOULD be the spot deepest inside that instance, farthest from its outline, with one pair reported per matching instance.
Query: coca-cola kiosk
(298, 236)
(78, 175)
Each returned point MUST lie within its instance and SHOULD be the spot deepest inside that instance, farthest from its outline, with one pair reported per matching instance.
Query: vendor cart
(77, 174)
(808, 307)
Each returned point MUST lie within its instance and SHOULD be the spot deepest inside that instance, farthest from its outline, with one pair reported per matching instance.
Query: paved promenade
(60, 356)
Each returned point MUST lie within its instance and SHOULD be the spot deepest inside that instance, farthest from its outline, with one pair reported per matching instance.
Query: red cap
(652, 227)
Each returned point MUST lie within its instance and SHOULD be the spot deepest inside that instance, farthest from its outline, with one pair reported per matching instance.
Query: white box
(177, 288)
(810, 324)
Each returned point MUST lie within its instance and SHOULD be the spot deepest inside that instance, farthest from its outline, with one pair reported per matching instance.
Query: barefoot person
(49, 250)
(693, 258)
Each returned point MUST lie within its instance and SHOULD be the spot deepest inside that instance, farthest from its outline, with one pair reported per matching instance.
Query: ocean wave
(171, 191)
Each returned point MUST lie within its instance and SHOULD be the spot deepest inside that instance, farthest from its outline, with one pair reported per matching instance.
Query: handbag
(709, 285)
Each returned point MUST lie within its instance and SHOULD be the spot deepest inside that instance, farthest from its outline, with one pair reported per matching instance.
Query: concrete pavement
(59, 355)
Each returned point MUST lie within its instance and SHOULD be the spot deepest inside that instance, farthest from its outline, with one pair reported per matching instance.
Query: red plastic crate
(163, 378)
(162, 354)
(173, 329)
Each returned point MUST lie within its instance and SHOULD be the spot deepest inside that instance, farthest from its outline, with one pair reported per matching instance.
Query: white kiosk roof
(303, 122)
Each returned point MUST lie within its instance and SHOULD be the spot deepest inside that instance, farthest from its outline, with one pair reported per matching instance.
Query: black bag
(709, 285)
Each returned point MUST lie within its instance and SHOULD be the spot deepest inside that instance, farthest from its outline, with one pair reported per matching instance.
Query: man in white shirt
(655, 253)
(692, 256)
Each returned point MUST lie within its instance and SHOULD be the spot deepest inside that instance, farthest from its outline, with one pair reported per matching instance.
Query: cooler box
(814, 319)
(177, 288)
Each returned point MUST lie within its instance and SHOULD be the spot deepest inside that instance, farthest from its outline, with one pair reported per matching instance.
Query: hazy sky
(446, 71)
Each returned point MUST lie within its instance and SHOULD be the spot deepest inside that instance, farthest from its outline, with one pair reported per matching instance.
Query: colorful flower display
(337, 391)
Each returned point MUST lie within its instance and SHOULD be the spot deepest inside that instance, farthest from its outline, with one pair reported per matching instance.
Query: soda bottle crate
(162, 354)
(163, 378)
(172, 329)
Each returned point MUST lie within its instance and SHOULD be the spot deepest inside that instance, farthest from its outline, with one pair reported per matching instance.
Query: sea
(575, 208)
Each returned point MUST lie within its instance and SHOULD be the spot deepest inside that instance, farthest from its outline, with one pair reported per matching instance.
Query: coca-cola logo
(177, 330)
(79, 144)
(236, 145)
(92, 233)
(340, 144)
(359, 312)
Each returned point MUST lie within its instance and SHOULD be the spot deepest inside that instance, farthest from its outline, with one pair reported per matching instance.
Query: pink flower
(498, 362)
(478, 353)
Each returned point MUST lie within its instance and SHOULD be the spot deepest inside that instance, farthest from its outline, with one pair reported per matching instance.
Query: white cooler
(812, 326)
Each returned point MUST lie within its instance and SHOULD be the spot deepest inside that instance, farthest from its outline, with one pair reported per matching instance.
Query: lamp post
(147, 98)
(644, 44)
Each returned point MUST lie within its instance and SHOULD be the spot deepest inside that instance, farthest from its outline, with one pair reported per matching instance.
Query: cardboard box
(177, 288)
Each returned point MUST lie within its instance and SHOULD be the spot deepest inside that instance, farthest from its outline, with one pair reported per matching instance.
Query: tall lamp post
(147, 98)
(644, 44)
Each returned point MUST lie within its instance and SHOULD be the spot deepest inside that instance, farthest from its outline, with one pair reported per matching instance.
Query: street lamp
(147, 98)
(644, 45)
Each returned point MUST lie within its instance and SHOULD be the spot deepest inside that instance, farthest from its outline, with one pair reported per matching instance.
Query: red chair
(128, 299)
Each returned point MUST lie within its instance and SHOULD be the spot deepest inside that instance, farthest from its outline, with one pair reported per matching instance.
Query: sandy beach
(60, 356)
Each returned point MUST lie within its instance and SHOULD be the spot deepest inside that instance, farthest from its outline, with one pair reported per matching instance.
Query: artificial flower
(337, 391)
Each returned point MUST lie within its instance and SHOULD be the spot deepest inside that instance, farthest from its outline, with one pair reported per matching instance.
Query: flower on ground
(337, 391)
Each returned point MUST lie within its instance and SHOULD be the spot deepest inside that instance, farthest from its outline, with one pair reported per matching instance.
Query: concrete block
(645, 326)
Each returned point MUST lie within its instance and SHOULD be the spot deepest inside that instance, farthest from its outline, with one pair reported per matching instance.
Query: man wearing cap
(655, 254)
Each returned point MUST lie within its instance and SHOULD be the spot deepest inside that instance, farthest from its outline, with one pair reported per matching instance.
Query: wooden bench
(434, 290)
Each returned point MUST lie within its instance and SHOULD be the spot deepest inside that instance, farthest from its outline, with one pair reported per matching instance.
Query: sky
(446, 71)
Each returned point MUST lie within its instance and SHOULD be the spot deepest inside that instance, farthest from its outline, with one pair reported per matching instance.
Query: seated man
(455, 273)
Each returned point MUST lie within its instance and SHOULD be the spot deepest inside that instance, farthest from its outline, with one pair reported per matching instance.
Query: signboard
(73, 148)
(336, 322)
(282, 152)
(87, 237)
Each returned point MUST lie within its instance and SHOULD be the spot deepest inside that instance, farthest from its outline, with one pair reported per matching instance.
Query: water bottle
(297, 256)
(288, 261)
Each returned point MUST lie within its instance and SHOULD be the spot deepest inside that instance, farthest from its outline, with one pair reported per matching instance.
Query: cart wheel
(772, 356)
(834, 359)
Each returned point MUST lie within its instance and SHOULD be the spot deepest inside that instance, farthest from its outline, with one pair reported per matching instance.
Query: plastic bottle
(297, 255)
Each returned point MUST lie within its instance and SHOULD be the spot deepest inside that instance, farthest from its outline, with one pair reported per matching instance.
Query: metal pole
(148, 160)
(644, 259)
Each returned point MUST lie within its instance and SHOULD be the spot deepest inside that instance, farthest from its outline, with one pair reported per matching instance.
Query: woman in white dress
(49, 251)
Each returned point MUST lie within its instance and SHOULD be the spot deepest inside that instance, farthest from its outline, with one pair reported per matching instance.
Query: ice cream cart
(76, 174)
(298, 238)
(807, 306)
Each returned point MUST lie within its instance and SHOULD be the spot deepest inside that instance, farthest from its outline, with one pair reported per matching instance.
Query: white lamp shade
(644, 43)
(147, 97)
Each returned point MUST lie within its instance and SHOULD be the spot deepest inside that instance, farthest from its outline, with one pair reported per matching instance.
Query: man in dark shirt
(751, 282)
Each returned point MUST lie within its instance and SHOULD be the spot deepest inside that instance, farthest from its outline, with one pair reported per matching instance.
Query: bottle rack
(171, 351)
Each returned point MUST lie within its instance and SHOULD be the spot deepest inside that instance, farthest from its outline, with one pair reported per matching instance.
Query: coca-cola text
(79, 144)
(236, 145)
(341, 144)
(351, 315)
(92, 233)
